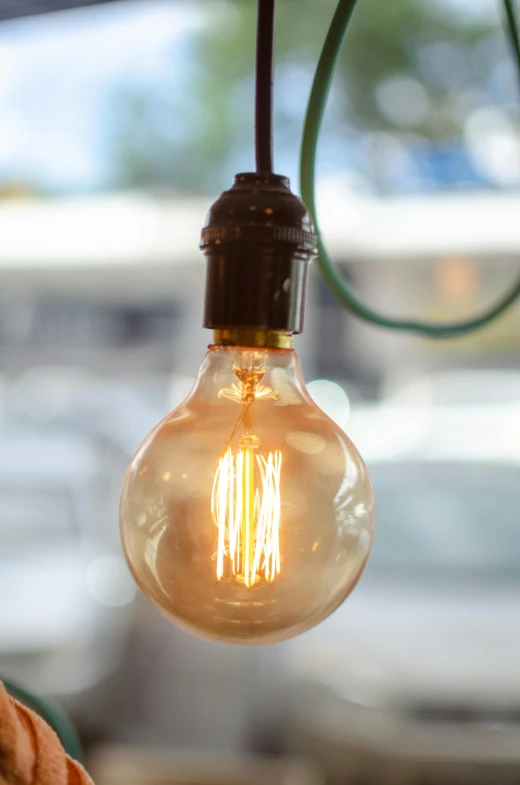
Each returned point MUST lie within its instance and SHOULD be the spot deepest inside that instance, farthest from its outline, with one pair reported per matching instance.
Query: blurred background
(120, 124)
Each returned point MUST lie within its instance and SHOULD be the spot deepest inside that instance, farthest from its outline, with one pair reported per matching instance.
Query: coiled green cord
(315, 111)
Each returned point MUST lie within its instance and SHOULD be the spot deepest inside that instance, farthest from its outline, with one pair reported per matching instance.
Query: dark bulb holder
(258, 241)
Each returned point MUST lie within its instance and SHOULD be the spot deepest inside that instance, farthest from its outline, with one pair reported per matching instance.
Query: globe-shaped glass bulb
(247, 515)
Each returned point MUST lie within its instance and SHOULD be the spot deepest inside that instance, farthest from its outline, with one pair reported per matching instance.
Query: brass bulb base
(254, 337)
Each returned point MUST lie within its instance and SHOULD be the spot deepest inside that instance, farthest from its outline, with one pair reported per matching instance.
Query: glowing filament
(245, 504)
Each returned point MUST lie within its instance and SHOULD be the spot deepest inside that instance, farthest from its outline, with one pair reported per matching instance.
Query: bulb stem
(258, 338)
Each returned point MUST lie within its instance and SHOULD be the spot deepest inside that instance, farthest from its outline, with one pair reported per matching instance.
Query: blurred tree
(410, 70)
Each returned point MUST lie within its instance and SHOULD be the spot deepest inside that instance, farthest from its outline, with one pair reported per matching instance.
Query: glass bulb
(247, 515)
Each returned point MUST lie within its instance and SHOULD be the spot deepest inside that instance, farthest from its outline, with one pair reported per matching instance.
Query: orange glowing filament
(246, 510)
(245, 501)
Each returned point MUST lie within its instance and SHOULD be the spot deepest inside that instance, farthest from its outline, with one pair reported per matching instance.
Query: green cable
(512, 29)
(52, 715)
(315, 111)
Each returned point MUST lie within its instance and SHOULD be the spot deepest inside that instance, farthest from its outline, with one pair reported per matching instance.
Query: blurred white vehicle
(66, 595)
(416, 678)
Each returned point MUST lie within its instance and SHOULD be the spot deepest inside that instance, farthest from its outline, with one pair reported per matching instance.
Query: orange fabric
(30, 751)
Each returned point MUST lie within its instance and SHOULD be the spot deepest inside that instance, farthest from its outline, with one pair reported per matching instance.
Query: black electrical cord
(315, 111)
(264, 87)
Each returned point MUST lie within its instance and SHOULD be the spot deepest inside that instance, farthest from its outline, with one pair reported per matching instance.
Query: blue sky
(58, 73)
(56, 76)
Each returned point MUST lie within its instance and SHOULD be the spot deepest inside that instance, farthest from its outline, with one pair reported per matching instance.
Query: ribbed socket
(258, 242)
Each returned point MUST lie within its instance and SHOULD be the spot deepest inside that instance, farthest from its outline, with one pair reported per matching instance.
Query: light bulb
(247, 514)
